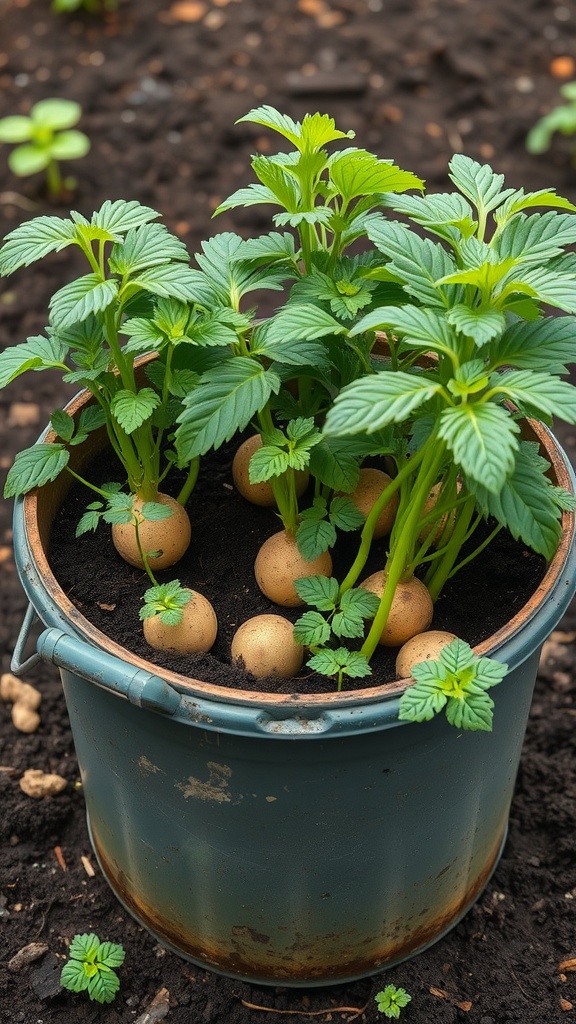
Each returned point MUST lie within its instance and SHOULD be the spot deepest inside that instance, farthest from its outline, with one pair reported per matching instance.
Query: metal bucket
(293, 840)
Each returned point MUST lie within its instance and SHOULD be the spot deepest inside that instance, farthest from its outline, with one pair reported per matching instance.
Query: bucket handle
(138, 686)
(17, 666)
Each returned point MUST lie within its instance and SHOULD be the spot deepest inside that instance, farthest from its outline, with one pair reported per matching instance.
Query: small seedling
(560, 119)
(392, 1000)
(90, 968)
(43, 139)
(457, 681)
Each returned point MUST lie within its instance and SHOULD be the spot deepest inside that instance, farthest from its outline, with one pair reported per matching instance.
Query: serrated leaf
(347, 624)
(425, 328)
(442, 212)
(545, 344)
(539, 391)
(74, 977)
(474, 712)
(481, 437)
(132, 409)
(33, 240)
(482, 325)
(373, 402)
(81, 298)
(120, 216)
(479, 183)
(267, 462)
(36, 353)
(418, 264)
(311, 630)
(62, 424)
(174, 280)
(362, 602)
(84, 947)
(363, 174)
(271, 247)
(345, 515)
(88, 522)
(223, 403)
(147, 246)
(521, 200)
(320, 592)
(548, 286)
(91, 418)
(314, 537)
(536, 238)
(335, 463)
(35, 467)
(269, 117)
(251, 195)
(104, 985)
(526, 505)
(154, 511)
(143, 334)
(423, 700)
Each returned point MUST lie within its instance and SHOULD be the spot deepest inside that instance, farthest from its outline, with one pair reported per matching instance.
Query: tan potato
(24, 718)
(440, 528)
(422, 647)
(169, 536)
(411, 610)
(267, 647)
(279, 563)
(259, 494)
(25, 701)
(37, 784)
(370, 486)
(195, 634)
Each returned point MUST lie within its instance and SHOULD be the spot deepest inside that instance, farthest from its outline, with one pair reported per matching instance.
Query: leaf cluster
(91, 968)
(45, 137)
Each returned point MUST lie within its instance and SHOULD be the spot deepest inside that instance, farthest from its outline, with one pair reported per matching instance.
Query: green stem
(54, 180)
(143, 554)
(92, 487)
(283, 487)
(367, 533)
(400, 556)
(190, 481)
(477, 551)
(436, 579)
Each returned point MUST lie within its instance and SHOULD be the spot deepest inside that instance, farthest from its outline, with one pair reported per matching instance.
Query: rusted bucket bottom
(232, 964)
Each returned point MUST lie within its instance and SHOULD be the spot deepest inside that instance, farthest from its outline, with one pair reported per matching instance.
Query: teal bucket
(286, 840)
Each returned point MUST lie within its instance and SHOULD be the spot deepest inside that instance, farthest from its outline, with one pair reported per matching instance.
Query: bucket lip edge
(190, 687)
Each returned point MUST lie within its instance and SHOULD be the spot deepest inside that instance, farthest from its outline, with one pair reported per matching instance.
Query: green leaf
(537, 238)
(33, 240)
(34, 467)
(269, 117)
(320, 592)
(120, 216)
(418, 264)
(133, 409)
(70, 145)
(88, 522)
(481, 437)
(37, 353)
(74, 977)
(294, 351)
(392, 1000)
(526, 504)
(335, 465)
(251, 195)
(534, 390)
(172, 280)
(154, 511)
(318, 130)
(375, 401)
(314, 537)
(521, 200)
(311, 630)
(273, 176)
(144, 335)
(346, 623)
(345, 515)
(56, 114)
(268, 248)
(267, 462)
(15, 129)
(363, 174)
(28, 159)
(364, 603)
(439, 212)
(479, 183)
(147, 246)
(423, 700)
(224, 402)
(545, 344)
(104, 985)
(340, 661)
(473, 712)
(424, 328)
(62, 424)
(548, 286)
(79, 299)
(482, 325)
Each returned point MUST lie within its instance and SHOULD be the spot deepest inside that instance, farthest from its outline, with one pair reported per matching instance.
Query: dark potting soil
(227, 532)
(161, 85)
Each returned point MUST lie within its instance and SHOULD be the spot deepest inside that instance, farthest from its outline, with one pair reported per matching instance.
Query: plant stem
(440, 573)
(190, 481)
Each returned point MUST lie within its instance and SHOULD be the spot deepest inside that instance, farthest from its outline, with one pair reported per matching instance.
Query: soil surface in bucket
(161, 84)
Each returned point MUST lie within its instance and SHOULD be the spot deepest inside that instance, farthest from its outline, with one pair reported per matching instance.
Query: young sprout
(560, 119)
(90, 968)
(44, 139)
(92, 6)
(392, 1000)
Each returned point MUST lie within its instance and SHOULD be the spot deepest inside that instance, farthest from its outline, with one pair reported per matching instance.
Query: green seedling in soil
(391, 1001)
(91, 968)
(43, 140)
(456, 681)
(560, 119)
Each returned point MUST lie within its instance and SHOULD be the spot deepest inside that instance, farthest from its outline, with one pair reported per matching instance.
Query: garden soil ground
(161, 85)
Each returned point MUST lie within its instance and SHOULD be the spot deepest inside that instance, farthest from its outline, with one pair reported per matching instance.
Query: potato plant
(43, 140)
